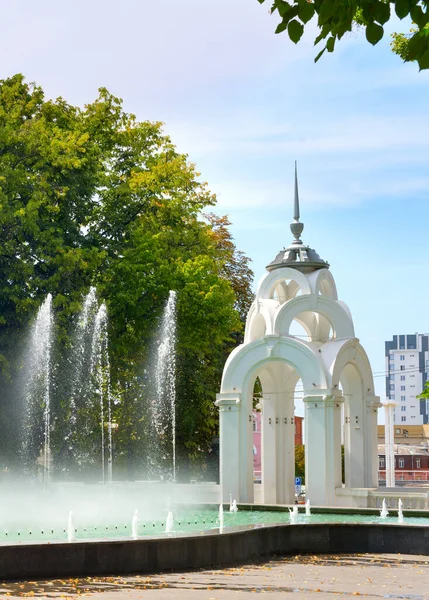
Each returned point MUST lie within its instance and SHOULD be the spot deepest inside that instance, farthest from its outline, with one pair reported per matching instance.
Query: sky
(244, 104)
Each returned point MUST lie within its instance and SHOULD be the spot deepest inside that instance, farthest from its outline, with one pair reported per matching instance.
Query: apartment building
(407, 368)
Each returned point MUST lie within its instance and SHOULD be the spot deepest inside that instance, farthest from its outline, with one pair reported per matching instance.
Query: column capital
(319, 401)
(373, 403)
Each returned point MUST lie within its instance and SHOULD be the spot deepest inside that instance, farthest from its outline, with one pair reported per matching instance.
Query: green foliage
(425, 393)
(300, 462)
(94, 197)
(411, 47)
(335, 18)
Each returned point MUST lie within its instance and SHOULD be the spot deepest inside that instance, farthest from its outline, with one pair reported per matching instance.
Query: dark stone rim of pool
(206, 549)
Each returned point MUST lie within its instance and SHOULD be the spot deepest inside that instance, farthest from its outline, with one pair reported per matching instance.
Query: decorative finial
(296, 227)
(296, 214)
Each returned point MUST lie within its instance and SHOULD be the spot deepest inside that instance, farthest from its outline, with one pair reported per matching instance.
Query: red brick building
(411, 463)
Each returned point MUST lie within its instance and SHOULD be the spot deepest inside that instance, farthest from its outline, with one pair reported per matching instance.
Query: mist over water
(69, 394)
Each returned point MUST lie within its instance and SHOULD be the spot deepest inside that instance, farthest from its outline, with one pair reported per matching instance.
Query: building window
(392, 386)
(402, 357)
(403, 419)
(401, 463)
(418, 463)
(402, 398)
(402, 368)
(403, 408)
(402, 388)
(402, 377)
(401, 477)
(392, 378)
(381, 463)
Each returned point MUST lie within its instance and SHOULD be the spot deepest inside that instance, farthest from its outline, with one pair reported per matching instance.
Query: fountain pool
(187, 520)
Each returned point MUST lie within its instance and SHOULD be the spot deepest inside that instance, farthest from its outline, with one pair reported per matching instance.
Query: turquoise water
(185, 521)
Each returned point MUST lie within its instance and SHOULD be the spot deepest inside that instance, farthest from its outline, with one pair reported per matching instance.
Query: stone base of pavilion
(412, 497)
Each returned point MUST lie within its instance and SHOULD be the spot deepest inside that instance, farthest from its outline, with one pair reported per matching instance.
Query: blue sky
(244, 104)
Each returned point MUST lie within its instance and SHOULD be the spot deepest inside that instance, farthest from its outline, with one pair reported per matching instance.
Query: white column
(371, 442)
(354, 452)
(285, 428)
(322, 448)
(268, 450)
(389, 441)
(245, 423)
(229, 455)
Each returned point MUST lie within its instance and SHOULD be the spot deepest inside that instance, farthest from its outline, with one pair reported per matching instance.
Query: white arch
(271, 279)
(321, 281)
(260, 308)
(330, 309)
(351, 352)
(296, 353)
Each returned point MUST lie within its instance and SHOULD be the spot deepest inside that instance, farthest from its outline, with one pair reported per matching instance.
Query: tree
(335, 18)
(94, 197)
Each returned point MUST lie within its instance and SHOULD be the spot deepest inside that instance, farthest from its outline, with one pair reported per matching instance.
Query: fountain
(81, 379)
(221, 517)
(135, 524)
(100, 366)
(91, 355)
(293, 515)
(400, 513)
(86, 372)
(79, 353)
(71, 537)
(38, 389)
(164, 399)
(384, 512)
(169, 525)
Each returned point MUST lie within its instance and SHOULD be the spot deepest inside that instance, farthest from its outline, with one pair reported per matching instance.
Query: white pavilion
(336, 378)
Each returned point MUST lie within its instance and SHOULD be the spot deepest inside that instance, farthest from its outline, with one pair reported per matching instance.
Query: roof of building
(405, 449)
(297, 255)
(404, 430)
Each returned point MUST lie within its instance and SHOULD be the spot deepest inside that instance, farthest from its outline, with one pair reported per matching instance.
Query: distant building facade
(411, 464)
(411, 454)
(407, 368)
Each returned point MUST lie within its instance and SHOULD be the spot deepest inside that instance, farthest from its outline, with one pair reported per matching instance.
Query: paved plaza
(321, 577)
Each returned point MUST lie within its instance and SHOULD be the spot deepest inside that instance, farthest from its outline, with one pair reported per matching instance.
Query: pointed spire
(296, 227)
(296, 213)
(297, 255)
